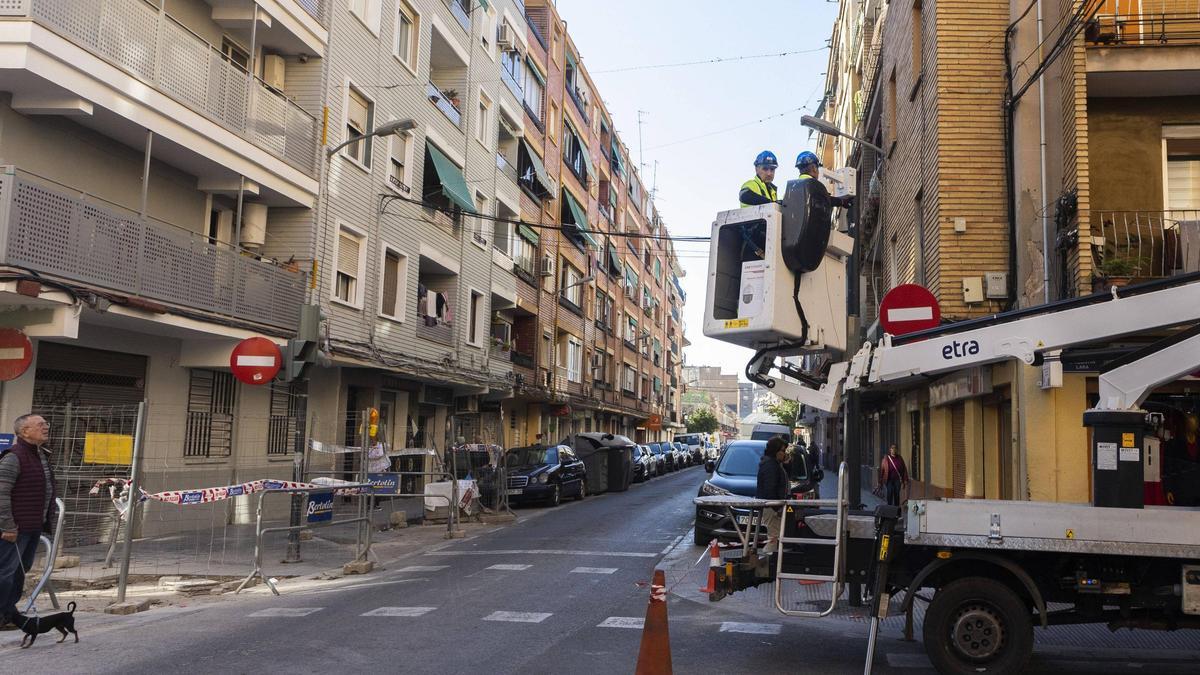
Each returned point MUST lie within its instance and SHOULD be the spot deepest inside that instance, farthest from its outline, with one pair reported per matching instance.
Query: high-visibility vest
(758, 187)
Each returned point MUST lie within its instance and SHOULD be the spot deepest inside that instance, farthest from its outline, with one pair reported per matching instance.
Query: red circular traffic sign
(16, 353)
(255, 360)
(909, 308)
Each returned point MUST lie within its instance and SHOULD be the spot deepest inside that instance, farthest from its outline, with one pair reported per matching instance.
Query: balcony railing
(1147, 244)
(435, 330)
(511, 82)
(522, 360)
(579, 104)
(315, 8)
(55, 231)
(1133, 27)
(154, 48)
(506, 168)
(442, 102)
(461, 9)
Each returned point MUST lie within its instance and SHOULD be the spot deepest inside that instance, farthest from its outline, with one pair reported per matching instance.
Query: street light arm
(385, 129)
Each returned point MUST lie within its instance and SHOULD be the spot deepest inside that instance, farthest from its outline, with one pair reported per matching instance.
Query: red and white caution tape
(118, 487)
(658, 593)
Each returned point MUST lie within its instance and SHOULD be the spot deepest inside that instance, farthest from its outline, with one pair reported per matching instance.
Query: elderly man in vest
(26, 495)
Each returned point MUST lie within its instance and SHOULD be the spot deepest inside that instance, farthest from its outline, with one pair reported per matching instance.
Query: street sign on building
(255, 360)
(16, 353)
(908, 309)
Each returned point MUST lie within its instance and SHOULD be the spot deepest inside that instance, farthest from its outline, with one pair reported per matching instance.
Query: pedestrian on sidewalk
(772, 484)
(893, 476)
(26, 505)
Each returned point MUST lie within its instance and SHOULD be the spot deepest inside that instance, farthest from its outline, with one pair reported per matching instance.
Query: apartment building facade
(927, 81)
(598, 337)
(168, 189)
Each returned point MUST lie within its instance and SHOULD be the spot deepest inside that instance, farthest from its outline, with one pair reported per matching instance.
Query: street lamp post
(385, 129)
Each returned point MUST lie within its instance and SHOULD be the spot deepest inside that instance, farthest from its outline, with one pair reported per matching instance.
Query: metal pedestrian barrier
(52, 548)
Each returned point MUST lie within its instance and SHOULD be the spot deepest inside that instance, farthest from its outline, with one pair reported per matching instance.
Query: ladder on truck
(837, 578)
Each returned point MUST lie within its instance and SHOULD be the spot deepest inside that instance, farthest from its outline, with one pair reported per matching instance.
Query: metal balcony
(315, 8)
(461, 9)
(506, 168)
(435, 330)
(442, 103)
(56, 232)
(1146, 244)
(161, 52)
(1131, 27)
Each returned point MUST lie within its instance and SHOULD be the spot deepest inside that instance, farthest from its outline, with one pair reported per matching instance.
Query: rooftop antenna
(641, 156)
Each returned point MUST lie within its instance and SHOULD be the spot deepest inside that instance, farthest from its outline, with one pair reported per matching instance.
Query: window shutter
(357, 114)
(391, 272)
(348, 248)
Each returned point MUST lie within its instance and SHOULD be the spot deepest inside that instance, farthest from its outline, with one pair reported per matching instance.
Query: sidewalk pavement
(215, 560)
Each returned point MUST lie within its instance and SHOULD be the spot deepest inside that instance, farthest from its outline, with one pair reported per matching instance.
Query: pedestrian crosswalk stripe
(622, 622)
(510, 568)
(399, 611)
(285, 611)
(518, 617)
(593, 570)
(422, 568)
(752, 628)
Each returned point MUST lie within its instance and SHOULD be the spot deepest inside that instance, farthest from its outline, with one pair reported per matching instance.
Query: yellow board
(883, 547)
(1127, 440)
(737, 323)
(107, 449)
(1070, 534)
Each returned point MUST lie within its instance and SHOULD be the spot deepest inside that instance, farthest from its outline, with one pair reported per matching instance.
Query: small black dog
(34, 626)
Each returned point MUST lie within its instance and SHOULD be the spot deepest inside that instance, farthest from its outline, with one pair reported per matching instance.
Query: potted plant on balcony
(1117, 270)
(502, 345)
(451, 95)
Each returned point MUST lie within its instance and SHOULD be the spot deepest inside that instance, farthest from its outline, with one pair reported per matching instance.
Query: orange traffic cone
(654, 657)
(714, 564)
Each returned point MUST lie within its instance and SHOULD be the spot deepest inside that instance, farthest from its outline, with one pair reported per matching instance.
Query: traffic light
(303, 350)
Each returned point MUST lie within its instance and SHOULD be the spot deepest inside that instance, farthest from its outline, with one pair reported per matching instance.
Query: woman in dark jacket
(772, 484)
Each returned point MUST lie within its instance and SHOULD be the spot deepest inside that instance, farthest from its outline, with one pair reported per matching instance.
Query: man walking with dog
(26, 497)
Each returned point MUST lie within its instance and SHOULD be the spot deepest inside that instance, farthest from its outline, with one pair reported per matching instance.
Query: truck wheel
(977, 625)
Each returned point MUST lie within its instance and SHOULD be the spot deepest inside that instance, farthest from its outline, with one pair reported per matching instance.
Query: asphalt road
(557, 592)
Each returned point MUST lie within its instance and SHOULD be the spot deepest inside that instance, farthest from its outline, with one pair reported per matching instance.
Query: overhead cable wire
(719, 59)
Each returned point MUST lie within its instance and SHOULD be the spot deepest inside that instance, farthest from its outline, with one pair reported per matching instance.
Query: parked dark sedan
(736, 472)
(642, 464)
(685, 455)
(667, 453)
(545, 473)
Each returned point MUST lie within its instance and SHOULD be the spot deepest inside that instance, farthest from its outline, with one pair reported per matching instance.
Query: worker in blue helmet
(810, 169)
(760, 189)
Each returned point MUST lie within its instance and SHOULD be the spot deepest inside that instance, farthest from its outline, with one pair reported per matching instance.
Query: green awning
(615, 260)
(539, 169)
(454, 185)
(483, 3)
(529, 233)
(587, 159)
(580, 218)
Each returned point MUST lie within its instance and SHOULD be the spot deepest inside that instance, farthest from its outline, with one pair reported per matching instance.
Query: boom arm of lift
(1122, 387)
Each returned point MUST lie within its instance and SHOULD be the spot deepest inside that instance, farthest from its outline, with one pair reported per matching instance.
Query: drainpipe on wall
(1042, 160)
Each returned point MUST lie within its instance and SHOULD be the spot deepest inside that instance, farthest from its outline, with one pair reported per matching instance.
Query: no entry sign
(909, 308)
(255, 360)
(16, 353)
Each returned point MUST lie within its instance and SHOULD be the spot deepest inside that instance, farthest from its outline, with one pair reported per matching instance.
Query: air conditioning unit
(466, 404)
(547, 269)
(504, 37)
(274, 71)
(630, 291)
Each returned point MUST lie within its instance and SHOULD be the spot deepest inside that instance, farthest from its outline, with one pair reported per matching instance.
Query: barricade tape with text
(118, 490)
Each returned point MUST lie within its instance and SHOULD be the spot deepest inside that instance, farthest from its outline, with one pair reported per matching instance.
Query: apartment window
(212, 398)
(395, 276)
(658, 269)
(629, 379)
(604, 309)
(552, 122)
(574, 359)
(235, 54)
(919, 217)
(407, 35)
(400, 161)
(555, 44)
(601, 363)
(891, 108)
(631, 329)
(285, 428)
(483, 121)
(360, 119)
(917, 27)
(569, 282)
(524, 253)
(573, 153)
(348, 273)
(479, 236)
(475, 320)
(535, 89)
(1182, 174)
(545, 355)
(367, 11)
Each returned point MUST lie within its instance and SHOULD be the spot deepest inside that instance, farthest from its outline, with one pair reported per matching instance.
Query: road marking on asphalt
(422, 568)
(518, 617)
(285, 611)
(399, 611)
(622, 622)
(511, 568)
(593, 570)
(752, 628)
(674, 543)
(615, 554)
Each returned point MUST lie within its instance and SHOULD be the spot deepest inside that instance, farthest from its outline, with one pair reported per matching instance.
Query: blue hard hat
(766, 158)
(807, 157)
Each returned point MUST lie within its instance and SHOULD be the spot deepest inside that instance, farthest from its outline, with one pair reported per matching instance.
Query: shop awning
(529, 233)
(454, 185)
(580, 218)
(539, 169)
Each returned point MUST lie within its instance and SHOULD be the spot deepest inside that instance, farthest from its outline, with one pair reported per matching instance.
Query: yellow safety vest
(758, 187)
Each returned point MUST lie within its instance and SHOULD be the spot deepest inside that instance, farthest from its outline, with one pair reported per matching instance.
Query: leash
(25, 570)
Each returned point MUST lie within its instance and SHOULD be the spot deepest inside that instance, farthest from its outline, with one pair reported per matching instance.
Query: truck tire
(978, 625)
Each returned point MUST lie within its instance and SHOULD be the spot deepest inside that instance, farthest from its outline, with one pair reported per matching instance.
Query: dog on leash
(34, 626)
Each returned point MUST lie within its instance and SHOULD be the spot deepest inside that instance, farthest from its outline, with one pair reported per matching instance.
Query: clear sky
(700, 176)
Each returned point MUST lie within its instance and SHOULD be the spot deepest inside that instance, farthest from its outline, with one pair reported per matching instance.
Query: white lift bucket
(749, 301)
